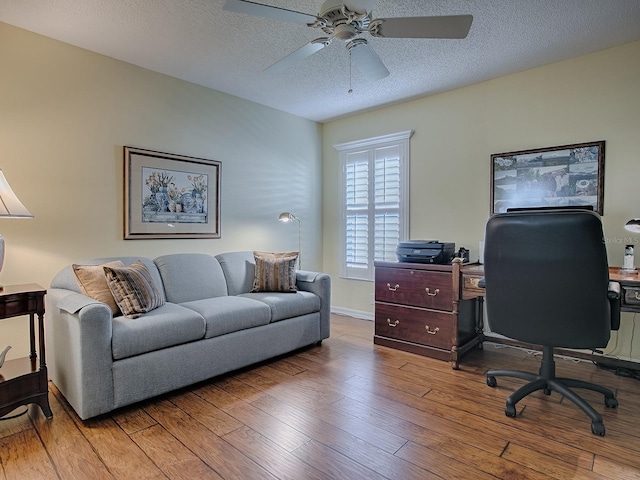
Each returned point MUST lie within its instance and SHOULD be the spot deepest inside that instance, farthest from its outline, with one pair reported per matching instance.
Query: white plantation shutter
(374, 188)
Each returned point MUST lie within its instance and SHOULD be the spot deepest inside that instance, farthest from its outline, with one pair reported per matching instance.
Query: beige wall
(594, 97)
(65, 114)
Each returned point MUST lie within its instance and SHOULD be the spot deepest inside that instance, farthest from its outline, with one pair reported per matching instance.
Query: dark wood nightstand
(24, 380)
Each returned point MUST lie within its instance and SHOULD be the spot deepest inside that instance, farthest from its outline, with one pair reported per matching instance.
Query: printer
(425, 251)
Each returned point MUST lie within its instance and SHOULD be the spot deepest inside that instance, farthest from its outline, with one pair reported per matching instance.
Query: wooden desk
(630, 302)
(24, 380)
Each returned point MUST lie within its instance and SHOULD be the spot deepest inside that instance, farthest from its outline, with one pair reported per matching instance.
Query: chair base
(547, 381)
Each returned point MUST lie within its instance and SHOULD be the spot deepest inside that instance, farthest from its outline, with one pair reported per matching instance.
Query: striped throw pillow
(133, 289)
(275, 272)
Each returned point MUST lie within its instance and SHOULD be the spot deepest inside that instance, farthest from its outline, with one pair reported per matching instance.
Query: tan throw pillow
(133, 289)
(93, 283)
(275, 272)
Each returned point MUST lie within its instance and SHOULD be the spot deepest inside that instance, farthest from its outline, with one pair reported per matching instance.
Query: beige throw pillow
(275, 272)
(93, 283)
(133, 289)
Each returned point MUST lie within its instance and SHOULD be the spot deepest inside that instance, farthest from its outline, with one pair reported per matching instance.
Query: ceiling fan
(347, 20)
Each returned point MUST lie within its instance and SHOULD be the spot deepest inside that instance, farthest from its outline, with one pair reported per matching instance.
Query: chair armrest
(613, 293)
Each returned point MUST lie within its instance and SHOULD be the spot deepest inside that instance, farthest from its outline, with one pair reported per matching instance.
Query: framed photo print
(170, 196)
(568, 175)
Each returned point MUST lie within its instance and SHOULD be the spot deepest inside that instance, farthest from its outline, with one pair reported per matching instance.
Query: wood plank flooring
(344, 410)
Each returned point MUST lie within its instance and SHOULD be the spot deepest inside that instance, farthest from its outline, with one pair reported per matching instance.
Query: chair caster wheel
(611, 402)
(597, 428)
(510, 410)
(491, 381)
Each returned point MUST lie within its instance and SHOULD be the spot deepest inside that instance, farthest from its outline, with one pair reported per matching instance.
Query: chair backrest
(547, 276)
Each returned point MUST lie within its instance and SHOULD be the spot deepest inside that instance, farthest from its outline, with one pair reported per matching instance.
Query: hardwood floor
(344, 410)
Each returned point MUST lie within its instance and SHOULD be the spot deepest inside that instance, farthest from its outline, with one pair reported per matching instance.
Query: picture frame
(566, 175)
(170, 196)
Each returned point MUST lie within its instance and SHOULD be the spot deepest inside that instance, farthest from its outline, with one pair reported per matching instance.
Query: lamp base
(629, 271)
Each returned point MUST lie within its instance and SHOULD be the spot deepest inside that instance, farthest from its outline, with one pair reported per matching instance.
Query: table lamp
(633, 225)
(10, 207)
(290, 217)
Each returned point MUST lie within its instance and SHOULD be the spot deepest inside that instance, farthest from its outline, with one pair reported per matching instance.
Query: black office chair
(547, 283)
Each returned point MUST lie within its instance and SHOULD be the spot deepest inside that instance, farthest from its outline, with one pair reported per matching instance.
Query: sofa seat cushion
(287, 305)
(230, 314)
(163, 327)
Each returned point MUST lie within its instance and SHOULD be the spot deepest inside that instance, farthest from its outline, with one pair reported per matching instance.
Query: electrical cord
(19, 414)
(620, 371)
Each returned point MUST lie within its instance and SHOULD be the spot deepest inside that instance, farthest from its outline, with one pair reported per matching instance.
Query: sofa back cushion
(239, 270)
(191, 276)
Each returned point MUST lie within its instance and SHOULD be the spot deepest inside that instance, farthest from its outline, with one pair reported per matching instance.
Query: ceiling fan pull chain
(350, 69)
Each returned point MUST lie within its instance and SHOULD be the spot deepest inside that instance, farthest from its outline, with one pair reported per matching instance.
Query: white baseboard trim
(352, 313)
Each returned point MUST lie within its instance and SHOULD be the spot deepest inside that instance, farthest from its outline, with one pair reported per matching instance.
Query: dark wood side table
(24, 380)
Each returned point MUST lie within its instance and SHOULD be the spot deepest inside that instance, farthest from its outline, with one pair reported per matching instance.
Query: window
(374, 210)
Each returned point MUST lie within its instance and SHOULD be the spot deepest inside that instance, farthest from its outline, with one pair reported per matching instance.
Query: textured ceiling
(198, 41)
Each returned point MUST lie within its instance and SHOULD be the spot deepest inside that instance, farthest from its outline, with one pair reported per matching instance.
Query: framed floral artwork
(170, 196)
(567, 175)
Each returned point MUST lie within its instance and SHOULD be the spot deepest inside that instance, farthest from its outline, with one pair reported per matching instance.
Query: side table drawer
(414, 325)
(415, 287)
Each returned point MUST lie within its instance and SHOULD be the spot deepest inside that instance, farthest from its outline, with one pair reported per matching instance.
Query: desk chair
(547, 283)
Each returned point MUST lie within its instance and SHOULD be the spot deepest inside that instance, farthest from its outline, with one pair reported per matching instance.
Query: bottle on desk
(628, 263)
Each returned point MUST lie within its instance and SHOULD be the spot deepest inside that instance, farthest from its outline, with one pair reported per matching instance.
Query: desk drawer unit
(630, 296)
(419, 288)
(415, 325)
(418, 309)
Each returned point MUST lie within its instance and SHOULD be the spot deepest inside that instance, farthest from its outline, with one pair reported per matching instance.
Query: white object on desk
(628, 263)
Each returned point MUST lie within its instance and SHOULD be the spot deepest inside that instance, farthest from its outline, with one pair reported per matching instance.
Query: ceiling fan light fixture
(345, 32)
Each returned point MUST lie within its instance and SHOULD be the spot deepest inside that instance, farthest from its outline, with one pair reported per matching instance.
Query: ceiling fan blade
(360, 6)
(259, 10)
(452, 26)
(300, 54)
(367, 61)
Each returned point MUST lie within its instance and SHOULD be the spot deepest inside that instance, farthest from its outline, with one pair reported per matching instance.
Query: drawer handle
(394, 324)
(432, 332)
(636, 295)
(436, 292)
(394, 288)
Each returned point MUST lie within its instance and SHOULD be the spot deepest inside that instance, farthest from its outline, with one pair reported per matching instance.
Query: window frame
(370, 145)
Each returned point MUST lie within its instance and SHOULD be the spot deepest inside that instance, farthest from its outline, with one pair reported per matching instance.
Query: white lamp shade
(10, 205)
(633, 225)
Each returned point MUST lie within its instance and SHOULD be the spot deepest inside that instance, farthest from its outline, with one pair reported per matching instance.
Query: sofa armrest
(320, 284)
(79, 357)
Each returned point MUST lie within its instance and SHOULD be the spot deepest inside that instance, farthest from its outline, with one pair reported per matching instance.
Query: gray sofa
(209, 325)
